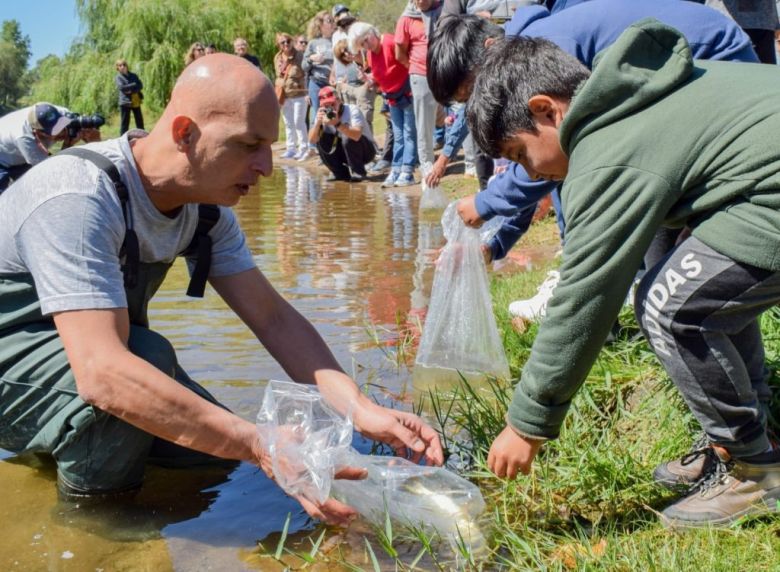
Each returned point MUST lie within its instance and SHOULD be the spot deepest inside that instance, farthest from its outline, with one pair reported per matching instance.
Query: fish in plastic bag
(431, 498)
(460, 336)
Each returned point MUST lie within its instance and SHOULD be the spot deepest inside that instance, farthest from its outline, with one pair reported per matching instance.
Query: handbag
(279, 87)
(280, 95)
(135, 99)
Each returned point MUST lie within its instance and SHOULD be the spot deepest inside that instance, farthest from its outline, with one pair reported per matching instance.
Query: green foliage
(154, 36)
(14, 55)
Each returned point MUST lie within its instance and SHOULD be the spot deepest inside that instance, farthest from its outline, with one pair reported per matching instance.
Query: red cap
(327, 96)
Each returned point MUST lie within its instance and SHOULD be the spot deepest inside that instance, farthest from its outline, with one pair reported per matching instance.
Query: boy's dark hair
(455, 51)
(512, 72)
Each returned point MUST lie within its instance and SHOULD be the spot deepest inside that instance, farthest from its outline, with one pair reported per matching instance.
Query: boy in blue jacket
(582, 30)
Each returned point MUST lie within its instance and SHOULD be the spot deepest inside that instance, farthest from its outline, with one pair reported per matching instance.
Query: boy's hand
(468, 212)
(511, 453)
(437, 172)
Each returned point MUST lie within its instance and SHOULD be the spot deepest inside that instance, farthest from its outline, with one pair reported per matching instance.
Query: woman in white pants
(291, 90)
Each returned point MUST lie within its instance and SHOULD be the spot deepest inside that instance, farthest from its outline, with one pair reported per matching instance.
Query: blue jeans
(404, 138)
(314, 95)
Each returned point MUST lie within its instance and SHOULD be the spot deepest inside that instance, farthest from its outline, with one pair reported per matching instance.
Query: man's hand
(332, 511)
(511, 453)
(406, 433)
(467, 210)
(437, 172)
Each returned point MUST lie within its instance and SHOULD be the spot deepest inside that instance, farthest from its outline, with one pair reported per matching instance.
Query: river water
(356, 261)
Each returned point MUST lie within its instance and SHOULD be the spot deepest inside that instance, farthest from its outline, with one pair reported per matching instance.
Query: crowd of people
(651, 123)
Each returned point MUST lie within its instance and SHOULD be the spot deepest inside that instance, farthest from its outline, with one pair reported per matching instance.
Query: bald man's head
(218, 128)
(220, 84)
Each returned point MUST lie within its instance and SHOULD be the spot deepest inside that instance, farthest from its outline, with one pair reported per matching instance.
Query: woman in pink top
(393, 79)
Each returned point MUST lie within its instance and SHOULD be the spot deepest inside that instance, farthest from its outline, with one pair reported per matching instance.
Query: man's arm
(402, 41)
(297, 346)
(114, 380)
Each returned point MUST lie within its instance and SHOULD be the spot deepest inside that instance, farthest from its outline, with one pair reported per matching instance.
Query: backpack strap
(200, 246)
(130, 249)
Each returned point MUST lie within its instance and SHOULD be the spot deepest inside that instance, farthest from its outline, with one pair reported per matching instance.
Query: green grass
(590, 502)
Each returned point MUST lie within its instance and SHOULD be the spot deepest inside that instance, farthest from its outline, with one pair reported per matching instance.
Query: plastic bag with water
(304, 436)
(308, 441)
(433, 198)
(460, 336)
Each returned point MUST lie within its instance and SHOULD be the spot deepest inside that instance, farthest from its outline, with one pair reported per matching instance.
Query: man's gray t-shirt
(18, 144)
(62, 222)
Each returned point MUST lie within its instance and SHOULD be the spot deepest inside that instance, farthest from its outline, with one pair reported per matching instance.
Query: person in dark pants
(342, 136)
(130, 96)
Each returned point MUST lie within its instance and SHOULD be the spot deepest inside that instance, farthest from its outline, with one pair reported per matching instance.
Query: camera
(329, 112)
(79, 122)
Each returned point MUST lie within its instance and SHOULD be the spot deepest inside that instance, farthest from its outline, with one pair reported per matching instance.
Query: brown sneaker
(729, 490)
(689, 469)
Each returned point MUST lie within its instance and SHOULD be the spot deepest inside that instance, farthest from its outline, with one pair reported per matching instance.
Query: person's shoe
(470, 171)
(378, 168)
(391, 179)
(729, 490)
(305, 155)
(289, 154)
(535, 308)
(688, 469)
(404, 180)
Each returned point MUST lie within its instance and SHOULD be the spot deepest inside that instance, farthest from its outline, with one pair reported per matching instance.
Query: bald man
(83, 249)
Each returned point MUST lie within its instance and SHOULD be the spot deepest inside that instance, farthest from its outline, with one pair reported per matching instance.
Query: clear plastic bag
(432, 198)
(304, 436)
(428, 498)
(460, 336)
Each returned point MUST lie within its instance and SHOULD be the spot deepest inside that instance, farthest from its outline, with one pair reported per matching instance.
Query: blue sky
(51, 24)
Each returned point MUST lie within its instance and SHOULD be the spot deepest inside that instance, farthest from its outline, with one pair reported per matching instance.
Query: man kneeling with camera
(343, 137)
(27, 136)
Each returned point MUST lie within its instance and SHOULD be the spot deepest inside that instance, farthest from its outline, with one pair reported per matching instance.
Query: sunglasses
(329, 20)
(200, 49)
(284, 42)
(302, 42)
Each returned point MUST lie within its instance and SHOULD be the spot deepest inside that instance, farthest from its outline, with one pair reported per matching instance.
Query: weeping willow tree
(153, 37)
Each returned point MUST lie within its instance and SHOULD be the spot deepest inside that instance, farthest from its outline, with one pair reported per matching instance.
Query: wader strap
(130, 249)
(208, 215)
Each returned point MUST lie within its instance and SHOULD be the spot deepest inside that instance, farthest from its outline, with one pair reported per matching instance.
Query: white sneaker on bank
(535, 308)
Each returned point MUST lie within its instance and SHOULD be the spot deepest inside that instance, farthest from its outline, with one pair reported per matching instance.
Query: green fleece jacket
(653, 139)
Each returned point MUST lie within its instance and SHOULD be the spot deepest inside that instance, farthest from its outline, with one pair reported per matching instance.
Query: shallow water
(354, 259)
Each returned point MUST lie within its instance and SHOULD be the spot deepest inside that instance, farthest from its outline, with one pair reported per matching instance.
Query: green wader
(41, 411)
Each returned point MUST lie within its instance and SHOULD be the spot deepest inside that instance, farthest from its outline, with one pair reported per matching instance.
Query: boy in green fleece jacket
(651, 139)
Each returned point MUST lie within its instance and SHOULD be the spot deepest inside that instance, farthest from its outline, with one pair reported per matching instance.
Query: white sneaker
(305, 155)
(289, 154)
(470, 171)
(535, 308)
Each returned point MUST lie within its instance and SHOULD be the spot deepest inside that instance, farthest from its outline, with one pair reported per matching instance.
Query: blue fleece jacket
(583, 30)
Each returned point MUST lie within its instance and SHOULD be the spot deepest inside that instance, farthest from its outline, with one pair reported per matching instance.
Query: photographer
(342, 136)
(26, 135)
